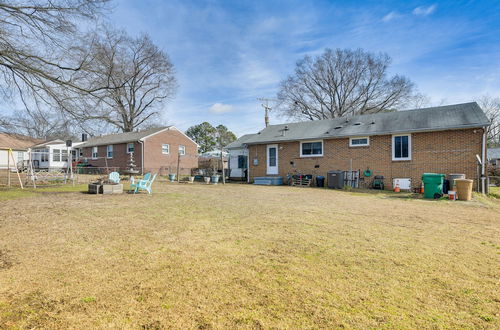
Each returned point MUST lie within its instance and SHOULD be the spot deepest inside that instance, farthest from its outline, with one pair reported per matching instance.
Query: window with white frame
(182, 150)
(94, 152)
(45, 155)
(56, 155)
(109, 151)
(64, 155)
(165, 149)
(401, 147)
(311, 149)
(362, 141)
(130, 148)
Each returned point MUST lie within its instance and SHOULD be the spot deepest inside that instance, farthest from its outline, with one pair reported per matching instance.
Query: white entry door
(272, 159)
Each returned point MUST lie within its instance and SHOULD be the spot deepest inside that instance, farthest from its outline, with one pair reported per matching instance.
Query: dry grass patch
(240, 256)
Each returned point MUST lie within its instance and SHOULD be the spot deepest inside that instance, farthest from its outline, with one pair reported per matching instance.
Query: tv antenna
(266, 107)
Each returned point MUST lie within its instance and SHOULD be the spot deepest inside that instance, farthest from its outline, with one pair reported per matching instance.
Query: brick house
(155, 150)
(401, 144)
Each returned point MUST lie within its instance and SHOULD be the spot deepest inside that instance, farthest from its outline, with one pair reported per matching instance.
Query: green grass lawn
(13, 193)
(244, 256)
(495, 192)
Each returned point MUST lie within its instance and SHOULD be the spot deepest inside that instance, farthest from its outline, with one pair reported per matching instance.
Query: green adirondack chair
(144, 185)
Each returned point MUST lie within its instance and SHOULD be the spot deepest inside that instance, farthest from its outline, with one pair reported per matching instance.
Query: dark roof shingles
(120, 137)
(428, 119)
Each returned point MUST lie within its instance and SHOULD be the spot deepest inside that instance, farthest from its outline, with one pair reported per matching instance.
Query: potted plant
(171, 177)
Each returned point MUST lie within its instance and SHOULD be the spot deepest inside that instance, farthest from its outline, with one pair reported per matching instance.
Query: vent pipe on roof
(284, 130)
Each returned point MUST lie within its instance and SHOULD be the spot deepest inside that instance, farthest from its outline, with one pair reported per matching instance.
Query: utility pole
(266, 107)
(178, 163)
(222, 158)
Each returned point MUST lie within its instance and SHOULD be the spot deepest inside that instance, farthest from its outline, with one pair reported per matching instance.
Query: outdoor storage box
(95, 188)
(433, 185)
(335, 179)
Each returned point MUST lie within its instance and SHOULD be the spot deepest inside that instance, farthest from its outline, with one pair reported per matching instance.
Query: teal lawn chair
(134, 184)
(144, 184)
(114, 177)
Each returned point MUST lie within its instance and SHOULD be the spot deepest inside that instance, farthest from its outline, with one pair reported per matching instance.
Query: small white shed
(238, 158)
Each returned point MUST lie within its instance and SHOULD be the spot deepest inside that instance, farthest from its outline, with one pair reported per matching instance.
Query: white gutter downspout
(483, 163)
(248, 165)
(142, 156)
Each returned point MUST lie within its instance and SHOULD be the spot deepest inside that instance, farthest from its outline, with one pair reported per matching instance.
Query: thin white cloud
(228, 57)
(220, 108)
(389, 17)
(424, 11)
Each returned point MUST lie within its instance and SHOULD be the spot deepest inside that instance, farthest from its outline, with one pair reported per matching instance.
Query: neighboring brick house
(401, 144)
(155, 150)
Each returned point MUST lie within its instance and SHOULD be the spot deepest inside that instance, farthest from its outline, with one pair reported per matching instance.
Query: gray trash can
(453, 177)
(320, 181)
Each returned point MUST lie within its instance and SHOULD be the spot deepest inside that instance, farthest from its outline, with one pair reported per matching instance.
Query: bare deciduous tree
(342, 82)
(491, 107)
(417, 101)
(39, 124)
(34, 39)
(140, 77)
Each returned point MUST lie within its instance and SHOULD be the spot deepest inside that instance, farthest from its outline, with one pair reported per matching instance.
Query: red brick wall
(120, 156)
(438, 152)
(154, 159)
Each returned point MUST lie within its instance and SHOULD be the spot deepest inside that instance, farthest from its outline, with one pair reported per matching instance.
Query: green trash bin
(433, 185)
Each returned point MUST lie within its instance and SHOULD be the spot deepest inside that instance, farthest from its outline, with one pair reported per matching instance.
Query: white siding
(4, 158)
(236, 172)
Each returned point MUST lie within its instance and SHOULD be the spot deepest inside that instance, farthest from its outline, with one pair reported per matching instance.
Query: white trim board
(312, 141)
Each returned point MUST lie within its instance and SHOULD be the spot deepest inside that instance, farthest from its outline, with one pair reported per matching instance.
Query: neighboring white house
(53, 155)
(19, 145)
(238, 158)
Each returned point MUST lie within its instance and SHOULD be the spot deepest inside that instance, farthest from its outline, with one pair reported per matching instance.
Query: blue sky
(228, 53)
